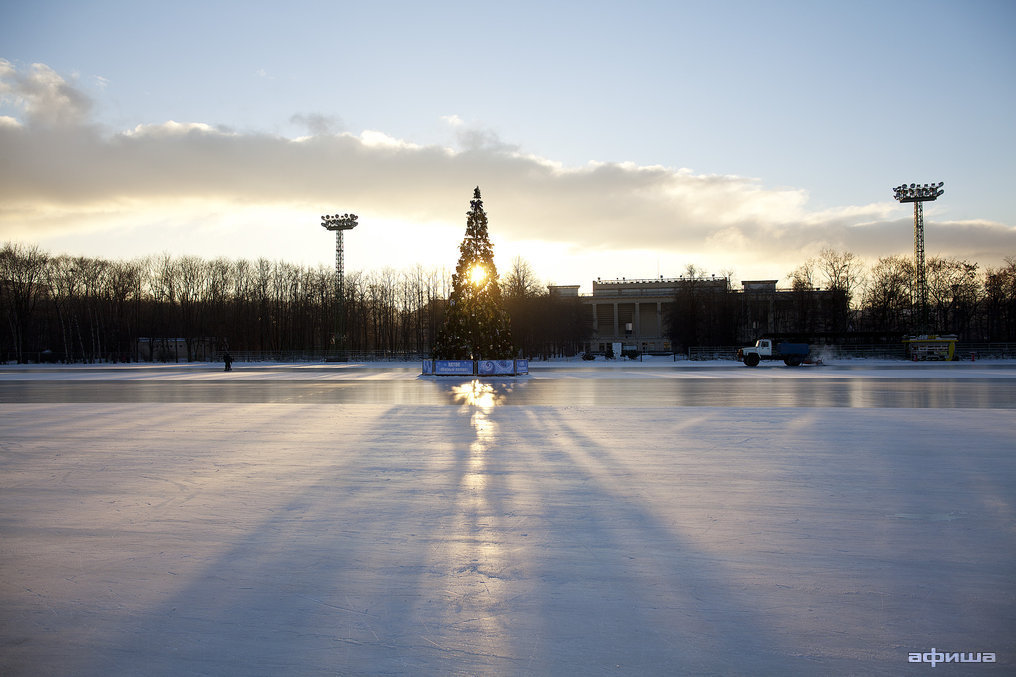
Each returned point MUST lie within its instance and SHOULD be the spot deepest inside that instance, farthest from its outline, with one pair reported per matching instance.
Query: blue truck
(792, 354)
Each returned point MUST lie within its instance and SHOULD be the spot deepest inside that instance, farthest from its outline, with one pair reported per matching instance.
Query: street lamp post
(919, 194)
(340, 223)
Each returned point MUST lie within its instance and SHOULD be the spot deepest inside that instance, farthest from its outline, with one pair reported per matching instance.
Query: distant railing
(699, 353)
(319, 356)
(50, 357)
(871, 351)
(826, 352)
(964, 351)
(983, 350)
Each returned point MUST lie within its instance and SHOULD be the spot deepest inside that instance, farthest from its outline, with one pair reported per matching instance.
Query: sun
(477, 275)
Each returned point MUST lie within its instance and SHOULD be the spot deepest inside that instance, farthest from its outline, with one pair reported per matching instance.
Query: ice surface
(474, 538)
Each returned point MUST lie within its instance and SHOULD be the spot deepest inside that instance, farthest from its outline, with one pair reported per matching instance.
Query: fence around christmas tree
(436, 367)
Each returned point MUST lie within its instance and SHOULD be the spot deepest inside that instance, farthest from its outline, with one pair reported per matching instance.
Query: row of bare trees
(964, 299)
(835, 297)
(543, 324)
(88, 309)
(77, 309)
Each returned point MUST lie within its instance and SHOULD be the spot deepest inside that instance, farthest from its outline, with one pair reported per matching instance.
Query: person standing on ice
(228, 359)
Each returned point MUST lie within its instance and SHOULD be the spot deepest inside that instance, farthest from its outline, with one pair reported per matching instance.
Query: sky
(608, 139)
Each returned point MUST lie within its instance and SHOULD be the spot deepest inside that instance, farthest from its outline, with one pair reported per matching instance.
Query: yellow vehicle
(931, 347)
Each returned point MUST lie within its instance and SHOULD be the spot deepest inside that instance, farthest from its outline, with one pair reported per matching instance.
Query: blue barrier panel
(496, 368)
(475, 367)
(453, 367)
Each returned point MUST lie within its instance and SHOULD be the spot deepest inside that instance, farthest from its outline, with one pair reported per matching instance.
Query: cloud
(46, 98)
(169, 129)
(61, 172)
(317, 124)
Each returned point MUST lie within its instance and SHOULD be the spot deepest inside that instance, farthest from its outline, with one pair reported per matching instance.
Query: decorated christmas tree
(476, 324)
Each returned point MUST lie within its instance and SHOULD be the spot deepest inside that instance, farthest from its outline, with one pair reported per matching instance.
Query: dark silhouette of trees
(840, 270)
(72, 308)
(81, 309)
(961, 299)
(22, 272)
(704, 311)
(544, 324)
(999, 307)
(563, 325)
(802, 278)
(521, 281)
(955, 292)
(522, 294)
(887, 298)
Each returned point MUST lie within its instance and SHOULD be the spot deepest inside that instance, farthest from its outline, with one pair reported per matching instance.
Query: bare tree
(1000, 301)
(124, 288)
(840, 270)
(802, 278)
(95, 309)
(520, 281)
(955, 290)
(64, 283)
(22, 285)
(887, 300)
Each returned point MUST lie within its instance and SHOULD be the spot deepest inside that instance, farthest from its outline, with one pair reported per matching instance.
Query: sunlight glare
(475, 393)
(477, 275)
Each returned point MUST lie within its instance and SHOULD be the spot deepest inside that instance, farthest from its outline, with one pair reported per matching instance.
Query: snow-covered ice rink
(658, 519)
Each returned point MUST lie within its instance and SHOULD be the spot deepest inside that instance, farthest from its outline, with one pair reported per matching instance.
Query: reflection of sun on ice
(475, 393)
(481, 398)
(480, 587)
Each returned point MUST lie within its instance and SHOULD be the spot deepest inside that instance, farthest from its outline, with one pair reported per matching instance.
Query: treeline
(975, 304)
(835, 296)
(81, 309)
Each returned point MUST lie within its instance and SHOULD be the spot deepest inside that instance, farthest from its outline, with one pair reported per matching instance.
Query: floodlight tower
(919, 194)
(340, 224)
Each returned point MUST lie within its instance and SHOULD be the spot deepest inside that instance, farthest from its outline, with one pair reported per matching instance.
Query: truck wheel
(751, 360)
(792, 361)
